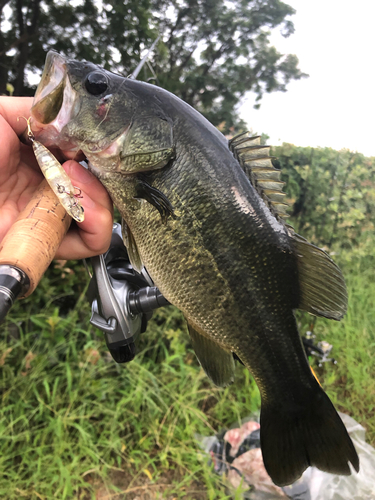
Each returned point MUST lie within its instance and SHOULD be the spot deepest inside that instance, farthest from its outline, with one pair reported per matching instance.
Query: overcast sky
(335, 43)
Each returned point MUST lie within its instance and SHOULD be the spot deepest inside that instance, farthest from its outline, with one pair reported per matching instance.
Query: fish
(206, 217)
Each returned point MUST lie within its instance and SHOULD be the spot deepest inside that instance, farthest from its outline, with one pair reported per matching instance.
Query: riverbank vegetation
(74, 424)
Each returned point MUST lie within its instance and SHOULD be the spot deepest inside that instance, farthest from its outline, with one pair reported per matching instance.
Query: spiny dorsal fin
(257, 165)
(322, 285)
(244, 136)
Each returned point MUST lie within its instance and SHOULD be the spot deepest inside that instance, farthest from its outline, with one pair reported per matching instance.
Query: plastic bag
(236, 455)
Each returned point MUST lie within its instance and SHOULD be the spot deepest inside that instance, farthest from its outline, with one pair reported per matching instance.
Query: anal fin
(215, 361)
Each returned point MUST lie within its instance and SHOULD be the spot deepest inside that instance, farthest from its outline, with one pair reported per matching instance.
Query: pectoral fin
(217, 363)
(156, 198)
(322, 285)
(131, 247)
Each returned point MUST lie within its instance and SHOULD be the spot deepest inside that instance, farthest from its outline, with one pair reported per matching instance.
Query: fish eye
(96, 83)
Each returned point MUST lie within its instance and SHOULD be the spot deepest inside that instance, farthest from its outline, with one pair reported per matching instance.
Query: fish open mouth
(55, 104)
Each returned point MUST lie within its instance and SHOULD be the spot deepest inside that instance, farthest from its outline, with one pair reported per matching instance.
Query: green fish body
(205, 217)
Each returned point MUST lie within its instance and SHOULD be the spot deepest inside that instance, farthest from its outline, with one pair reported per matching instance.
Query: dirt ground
(143, 488)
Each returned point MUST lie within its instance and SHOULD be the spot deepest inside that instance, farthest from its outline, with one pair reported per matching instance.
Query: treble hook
(74, 196)
(62, 189)
(78, 195)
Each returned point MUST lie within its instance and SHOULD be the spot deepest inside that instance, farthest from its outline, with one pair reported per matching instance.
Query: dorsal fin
(257, 165)
(322, 285)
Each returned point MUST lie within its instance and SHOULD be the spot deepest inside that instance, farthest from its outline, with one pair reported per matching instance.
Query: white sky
(335, 107)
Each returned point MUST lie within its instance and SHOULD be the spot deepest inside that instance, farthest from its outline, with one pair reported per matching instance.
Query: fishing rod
(32, 242)
(133, 76)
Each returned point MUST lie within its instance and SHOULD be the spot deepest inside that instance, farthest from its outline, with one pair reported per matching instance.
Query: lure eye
(96, 83)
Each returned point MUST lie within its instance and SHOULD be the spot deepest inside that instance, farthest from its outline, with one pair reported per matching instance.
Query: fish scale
(235, 302)
(205, 217)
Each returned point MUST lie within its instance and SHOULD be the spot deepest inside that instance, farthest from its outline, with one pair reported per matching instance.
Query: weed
(74, 424)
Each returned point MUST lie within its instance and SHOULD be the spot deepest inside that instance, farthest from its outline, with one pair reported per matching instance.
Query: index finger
(13, 107)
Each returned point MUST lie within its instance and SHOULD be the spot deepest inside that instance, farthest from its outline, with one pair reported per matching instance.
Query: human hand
(20, 177)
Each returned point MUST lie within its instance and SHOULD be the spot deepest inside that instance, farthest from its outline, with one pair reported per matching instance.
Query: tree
(217, 51)
(331, 194)
(210, 54)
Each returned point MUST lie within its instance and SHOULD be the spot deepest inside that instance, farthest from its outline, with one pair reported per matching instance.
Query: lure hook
(75, 196)
(78, 195)
(62, 190)
(30, 133)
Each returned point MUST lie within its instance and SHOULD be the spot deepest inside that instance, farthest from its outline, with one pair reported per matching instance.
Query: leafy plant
(332, 194)
(210, 52)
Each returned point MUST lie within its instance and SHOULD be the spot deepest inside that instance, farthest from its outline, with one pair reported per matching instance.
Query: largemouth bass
(205, 217)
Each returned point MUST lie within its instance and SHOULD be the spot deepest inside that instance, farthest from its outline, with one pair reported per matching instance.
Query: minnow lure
(57, 178)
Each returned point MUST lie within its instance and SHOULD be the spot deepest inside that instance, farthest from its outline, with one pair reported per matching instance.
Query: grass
(351, 383)
(73, 424)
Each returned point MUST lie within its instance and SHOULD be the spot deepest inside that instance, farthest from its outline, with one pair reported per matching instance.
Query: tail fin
(314, 435)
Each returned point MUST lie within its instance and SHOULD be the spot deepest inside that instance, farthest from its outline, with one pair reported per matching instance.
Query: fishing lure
(57, 178)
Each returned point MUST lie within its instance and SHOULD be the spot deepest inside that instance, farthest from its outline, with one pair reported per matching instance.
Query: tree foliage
(211, 52)
(332, 194)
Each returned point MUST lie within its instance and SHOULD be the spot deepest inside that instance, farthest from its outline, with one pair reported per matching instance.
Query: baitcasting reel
(122, 300)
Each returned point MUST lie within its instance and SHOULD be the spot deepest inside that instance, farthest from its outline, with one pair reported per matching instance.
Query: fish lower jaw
(105, 159)
(94, 169)
(50, 137)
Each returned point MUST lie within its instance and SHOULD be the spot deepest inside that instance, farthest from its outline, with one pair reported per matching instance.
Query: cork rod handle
(32, 241)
